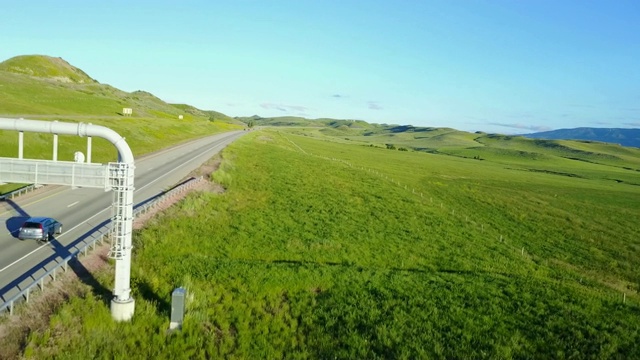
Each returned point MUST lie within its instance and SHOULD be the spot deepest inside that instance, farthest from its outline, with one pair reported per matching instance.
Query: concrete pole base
(122, 310)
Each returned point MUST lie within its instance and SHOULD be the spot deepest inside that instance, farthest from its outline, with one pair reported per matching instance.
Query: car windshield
(32, 225)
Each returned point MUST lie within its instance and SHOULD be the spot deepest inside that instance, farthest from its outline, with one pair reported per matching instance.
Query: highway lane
(81, 210)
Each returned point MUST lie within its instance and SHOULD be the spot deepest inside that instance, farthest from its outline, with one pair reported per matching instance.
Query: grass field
(332, 249)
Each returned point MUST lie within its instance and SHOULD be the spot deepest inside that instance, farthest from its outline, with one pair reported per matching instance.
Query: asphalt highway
(80, 210)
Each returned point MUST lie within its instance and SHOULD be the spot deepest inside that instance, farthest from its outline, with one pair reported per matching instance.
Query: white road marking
(75, 203)
(178, 167)
(15, 262)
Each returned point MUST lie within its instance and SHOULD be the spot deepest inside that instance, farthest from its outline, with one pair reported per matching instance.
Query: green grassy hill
(29, 96)
(45, 67)
(571, 158)
(455, 142)
(218, 116)
(295, 121)
(209, 114)
(46, 88)
(279, 121)
(39, 86)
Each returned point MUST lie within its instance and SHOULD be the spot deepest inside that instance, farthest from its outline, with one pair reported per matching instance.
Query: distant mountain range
(624, 137)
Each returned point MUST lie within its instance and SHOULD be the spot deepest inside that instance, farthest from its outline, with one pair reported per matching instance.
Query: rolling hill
(624, 137)
(507, 149)
(41, 87)
(46, 67)
(407, 135)
(48, 88)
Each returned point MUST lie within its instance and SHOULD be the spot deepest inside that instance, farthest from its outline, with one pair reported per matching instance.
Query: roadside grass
(321, 249)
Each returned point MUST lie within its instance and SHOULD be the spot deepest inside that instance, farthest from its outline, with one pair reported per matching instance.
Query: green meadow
(329, 244)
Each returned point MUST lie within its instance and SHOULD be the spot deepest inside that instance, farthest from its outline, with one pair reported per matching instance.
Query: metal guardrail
(23, 190)
(98, 235)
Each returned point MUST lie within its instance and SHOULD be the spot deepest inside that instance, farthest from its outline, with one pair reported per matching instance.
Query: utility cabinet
(178, 299)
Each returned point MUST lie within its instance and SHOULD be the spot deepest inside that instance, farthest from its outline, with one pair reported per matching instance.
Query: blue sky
(512, 66)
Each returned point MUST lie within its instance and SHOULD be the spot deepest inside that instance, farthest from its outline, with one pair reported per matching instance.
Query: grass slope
(324, 249)
(39, 86)
(34, 87)
(297, 121)
(45, 67)
(29, 97)
(555, 157)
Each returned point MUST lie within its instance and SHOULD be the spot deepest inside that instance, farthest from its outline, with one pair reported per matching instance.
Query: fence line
(99, 235)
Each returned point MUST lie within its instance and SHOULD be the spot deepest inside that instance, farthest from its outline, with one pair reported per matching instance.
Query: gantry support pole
(122, 305)
(121, 175)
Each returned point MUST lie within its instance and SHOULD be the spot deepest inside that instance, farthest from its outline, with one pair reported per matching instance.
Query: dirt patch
(206, 185)
(201, 185)
(35, 316)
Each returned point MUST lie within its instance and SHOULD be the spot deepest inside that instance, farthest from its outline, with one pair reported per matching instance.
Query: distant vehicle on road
(40, 228)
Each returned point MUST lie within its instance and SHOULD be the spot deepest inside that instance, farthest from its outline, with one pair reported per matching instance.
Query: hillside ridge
(41, 86)
(621, 136)
(46, 67)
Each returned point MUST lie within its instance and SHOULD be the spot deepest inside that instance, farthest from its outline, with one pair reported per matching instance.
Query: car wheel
(59, 230)
(47, 237)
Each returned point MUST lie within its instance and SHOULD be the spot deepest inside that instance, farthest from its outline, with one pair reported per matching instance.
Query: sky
(506, 66)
